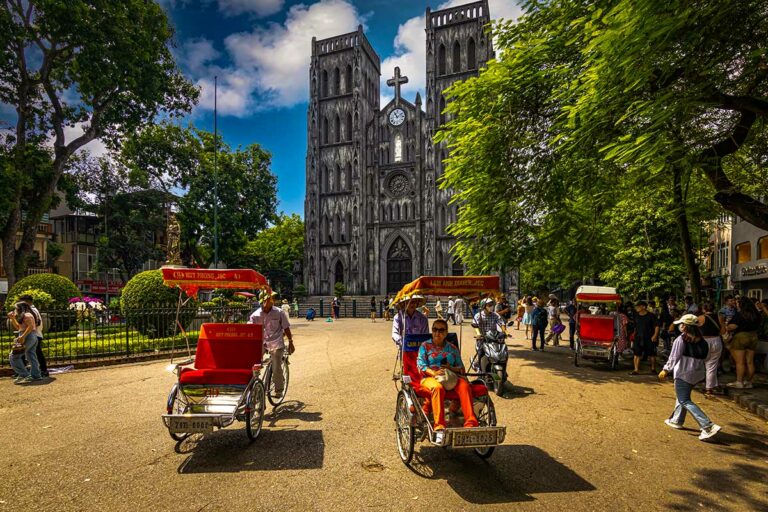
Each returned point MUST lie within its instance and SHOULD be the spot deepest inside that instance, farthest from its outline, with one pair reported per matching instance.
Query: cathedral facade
(374, 215)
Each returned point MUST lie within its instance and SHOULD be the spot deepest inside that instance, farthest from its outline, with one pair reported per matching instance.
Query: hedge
(146, 290)
(58, 287)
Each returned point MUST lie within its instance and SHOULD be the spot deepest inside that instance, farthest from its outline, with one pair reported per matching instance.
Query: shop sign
(754, 270)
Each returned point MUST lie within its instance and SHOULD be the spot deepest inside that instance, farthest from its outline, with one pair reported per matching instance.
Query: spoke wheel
(404, 429)
(179, 405)
(254, 418)
(270, 386)
(486, 418)
(614, 358)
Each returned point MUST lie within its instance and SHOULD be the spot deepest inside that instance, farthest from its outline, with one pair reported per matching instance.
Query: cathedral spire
(395, 82)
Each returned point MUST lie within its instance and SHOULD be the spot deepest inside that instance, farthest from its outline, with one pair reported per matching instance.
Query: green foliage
(242, 186)
(339, 290)
(276, 247)
(41, 299)
(299, 291)
(146, 291)
(54, 250)
(59, 288)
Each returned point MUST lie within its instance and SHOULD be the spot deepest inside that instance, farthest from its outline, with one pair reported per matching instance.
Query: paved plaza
(577, 439)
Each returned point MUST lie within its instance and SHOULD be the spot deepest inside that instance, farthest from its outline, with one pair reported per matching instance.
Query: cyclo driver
(484, 321)
(275, 324)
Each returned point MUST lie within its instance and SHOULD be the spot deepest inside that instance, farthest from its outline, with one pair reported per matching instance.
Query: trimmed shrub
(41, 299)
(58, 287)
(150, 306)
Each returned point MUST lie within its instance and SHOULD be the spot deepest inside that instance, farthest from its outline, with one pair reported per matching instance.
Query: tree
(276, 247)
(181, 160)
(103, 66)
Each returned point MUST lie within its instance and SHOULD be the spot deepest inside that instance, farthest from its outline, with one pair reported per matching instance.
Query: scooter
(491, 357)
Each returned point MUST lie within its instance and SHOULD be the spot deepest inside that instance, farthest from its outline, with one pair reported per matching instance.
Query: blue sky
(259, 49)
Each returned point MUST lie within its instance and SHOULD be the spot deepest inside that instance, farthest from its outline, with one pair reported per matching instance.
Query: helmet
(486, 301)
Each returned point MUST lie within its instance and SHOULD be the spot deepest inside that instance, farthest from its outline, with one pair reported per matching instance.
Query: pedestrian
(296, 307)
(485, 320)
(570, 309)
(762, 307)
(386, 308)
(451, 310)
(743, 327)
(373, 309)
(691, 307)
(504, 310)
(275, 326)
(553, 316)
(538, 319)
(711, 331)
(646, 337)
(458, 307)
(527, 316)
(25, 344)
(286, 308)
(409, 320)
(30, 301)
(622, 320)
(336, 306)
(686, 361)
(474, 307)
(439, 309)
(520, 312)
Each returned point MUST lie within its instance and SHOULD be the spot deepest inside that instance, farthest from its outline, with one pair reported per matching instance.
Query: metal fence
(114, 336)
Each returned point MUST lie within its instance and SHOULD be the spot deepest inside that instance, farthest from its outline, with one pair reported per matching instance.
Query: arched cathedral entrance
(399, 265)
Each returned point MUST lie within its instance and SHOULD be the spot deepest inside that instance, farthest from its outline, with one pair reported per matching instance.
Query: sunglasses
(439, 331)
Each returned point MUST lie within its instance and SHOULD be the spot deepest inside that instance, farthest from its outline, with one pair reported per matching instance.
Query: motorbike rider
(486, 320)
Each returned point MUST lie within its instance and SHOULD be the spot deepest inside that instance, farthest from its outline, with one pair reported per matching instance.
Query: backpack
(540, 317)
(696, 349)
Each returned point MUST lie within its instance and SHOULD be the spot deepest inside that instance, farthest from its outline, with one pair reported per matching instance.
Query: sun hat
(414, 298)
(688, 319)
(265, 294)
(285, 301)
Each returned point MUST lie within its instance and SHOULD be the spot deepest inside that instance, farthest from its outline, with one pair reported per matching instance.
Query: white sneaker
(748, 385)
(736, 384)
(706, 433)
(672, 424)
(440, 437)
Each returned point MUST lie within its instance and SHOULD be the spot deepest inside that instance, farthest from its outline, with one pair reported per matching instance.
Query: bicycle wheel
(486, 418)
(272, 396)
(178, 404)
(254, 415)
(404, 429)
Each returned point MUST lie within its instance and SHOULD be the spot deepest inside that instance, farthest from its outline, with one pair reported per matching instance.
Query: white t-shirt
(286, 309)
(38, 328)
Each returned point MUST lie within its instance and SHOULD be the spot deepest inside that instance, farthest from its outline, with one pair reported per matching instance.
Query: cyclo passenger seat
(226, 354)
(410, 351)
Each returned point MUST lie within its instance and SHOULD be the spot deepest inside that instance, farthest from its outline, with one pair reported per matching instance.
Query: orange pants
(462, 389)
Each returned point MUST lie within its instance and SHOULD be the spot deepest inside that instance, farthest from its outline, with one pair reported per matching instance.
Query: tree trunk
(689, 256)
(9, 245)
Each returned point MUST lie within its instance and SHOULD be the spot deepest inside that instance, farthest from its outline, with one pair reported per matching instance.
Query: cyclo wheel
(269, 385)
(404, 429)
(614, 358)
(178, 406)
(255, 417)
(486, 418)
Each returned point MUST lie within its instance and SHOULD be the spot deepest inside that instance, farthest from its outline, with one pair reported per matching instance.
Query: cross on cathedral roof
(396, 81)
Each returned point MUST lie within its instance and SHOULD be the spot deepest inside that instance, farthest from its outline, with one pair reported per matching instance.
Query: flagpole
(215, 176)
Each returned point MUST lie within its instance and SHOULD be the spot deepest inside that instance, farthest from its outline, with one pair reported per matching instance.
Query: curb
(749, 401)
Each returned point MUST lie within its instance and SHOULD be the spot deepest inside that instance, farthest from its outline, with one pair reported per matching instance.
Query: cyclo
(597, 336)
(412, 423)
(227, 378)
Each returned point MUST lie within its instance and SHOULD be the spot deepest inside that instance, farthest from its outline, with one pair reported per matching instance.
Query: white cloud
(96, 148)
(270, 64)
(258, 7)
(410, 48)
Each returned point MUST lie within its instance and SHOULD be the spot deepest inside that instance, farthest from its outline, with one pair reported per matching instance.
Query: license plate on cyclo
(475, 438)
(190, 425)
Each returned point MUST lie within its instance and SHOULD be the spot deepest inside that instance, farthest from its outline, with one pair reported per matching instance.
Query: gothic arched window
(337, 228)
(326, 138)
(456, 57)
(349, 126)
(348, 80)
(337, 128)
(398, 148)
(324, 84)
(336, 81)
(441, 60)
(349, 176)
(338, 178)
(471, 54)
(326, 185)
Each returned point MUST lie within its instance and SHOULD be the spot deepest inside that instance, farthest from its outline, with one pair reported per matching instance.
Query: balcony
(45, 229)
(30, 271)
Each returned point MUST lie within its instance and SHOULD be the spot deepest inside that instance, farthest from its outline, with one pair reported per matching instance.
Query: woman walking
(527, 316)
(24, 320)
(686, 361)
(711, 330)
(743, 326)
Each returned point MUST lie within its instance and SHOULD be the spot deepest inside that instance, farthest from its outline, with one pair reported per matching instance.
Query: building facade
(750, 259)
(375, 217)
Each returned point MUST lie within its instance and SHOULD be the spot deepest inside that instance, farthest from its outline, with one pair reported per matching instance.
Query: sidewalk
(755, 399)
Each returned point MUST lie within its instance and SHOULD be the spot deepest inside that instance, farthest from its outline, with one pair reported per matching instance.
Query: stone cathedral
(374, 215)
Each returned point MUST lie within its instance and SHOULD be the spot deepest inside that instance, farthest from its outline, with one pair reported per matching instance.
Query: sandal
(633, 372)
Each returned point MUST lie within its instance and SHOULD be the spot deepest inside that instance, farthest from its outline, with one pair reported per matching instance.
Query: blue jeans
(684, 404)
(30, 352)
(537, 331)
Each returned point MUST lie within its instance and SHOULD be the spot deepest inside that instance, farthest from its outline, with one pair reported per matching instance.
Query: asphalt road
(577, 438)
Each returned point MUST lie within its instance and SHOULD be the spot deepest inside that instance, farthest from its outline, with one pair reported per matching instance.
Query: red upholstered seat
(409, 368)
(225, 354)
(596, 329)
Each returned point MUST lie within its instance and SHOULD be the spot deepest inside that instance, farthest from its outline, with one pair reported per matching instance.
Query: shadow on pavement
(228, 451)
(513, 473)
(511, 391)
(560, 361)
(291, 410)
(742, 486)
